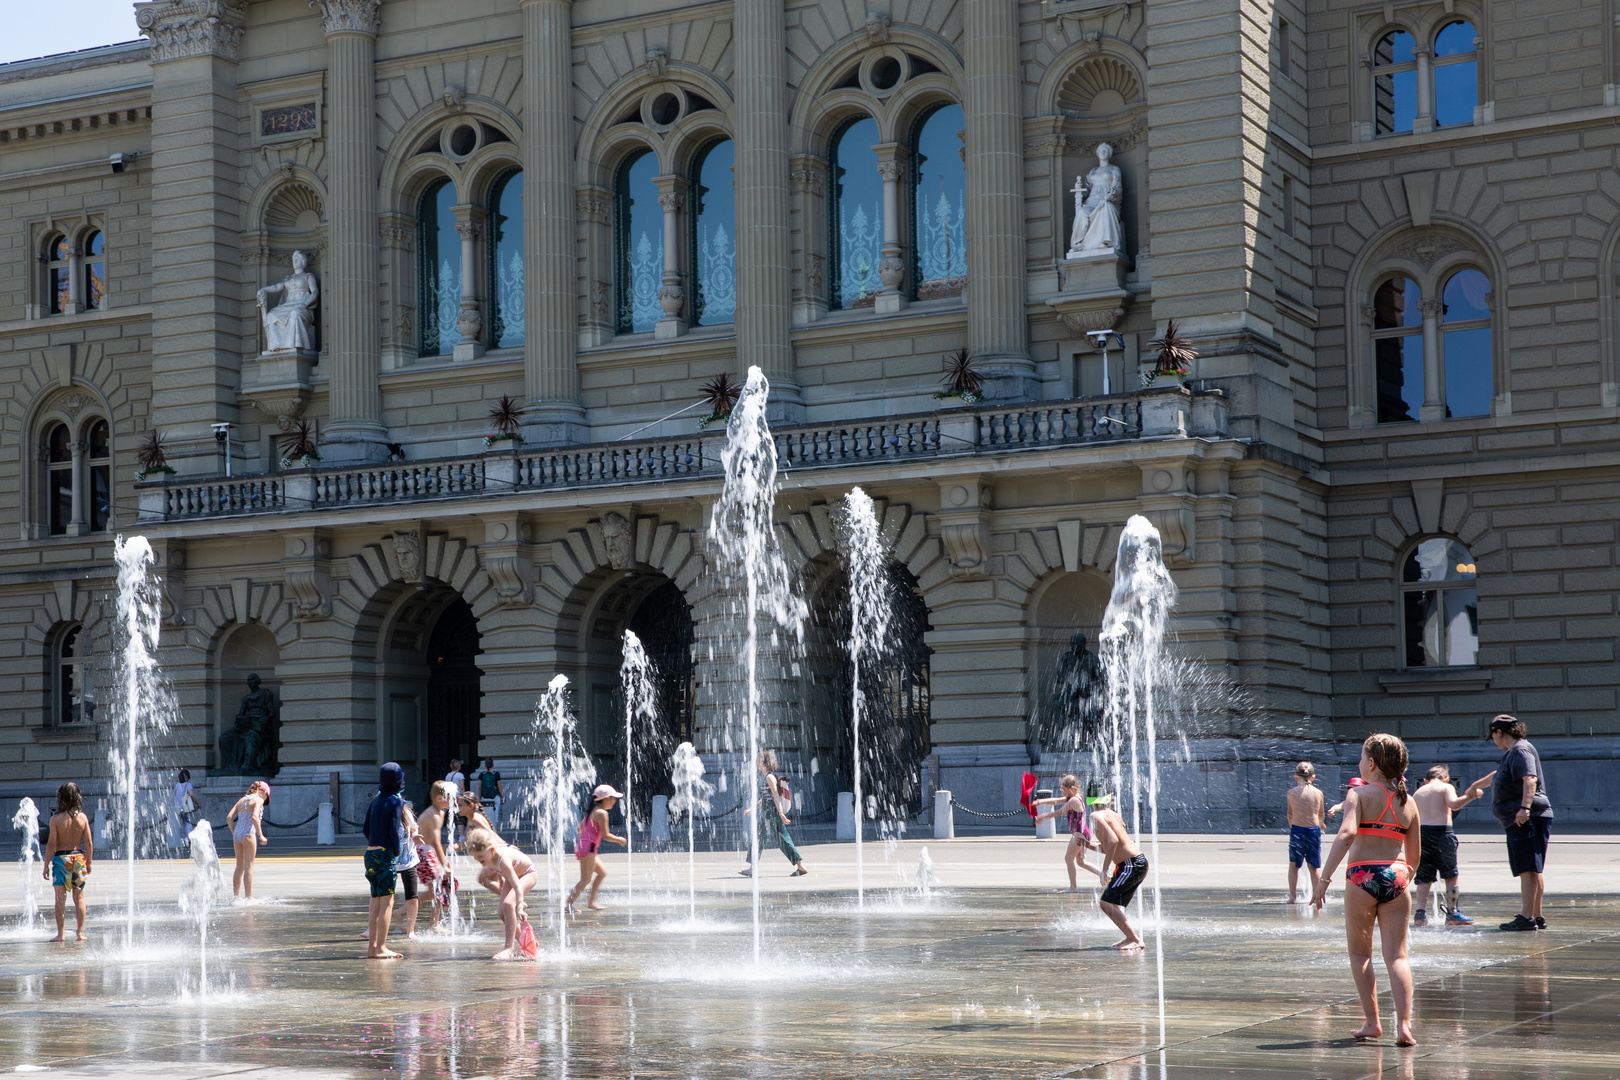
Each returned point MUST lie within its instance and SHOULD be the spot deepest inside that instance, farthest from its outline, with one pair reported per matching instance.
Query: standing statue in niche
(291, 323)
(249, 748)
(1078, 701)
(1098, 195)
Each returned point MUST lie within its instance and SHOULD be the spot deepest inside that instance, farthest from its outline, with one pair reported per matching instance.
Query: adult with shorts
(1519, 800)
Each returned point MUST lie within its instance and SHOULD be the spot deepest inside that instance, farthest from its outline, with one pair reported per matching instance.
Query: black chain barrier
(978, 813)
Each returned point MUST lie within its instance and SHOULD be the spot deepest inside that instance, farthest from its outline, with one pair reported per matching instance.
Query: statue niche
(290, 325)
(1098, 197)
(251, 746)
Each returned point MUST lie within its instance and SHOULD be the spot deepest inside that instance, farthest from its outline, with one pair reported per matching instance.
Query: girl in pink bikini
(1072, 804)
(593, 833)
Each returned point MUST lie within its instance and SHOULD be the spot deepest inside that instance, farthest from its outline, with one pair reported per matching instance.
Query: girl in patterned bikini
(1380, 837)
(1073, 805)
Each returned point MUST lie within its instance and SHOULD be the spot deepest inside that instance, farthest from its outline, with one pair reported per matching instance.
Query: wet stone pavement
(963, 983)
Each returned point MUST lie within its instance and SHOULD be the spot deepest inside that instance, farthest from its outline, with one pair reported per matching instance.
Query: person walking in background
(490, 790)
(1519, 800)
(185, 808)
(246, 821)
(459, 779)
(384, 829)
(1436, 801)
(1380, 837)
(69, 850)
(773, 820)
(1305, 803)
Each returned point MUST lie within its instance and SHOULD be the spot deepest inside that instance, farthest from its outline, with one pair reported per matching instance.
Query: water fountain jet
(26, 821)
(640, 703)
(692, 794)
(869, 608)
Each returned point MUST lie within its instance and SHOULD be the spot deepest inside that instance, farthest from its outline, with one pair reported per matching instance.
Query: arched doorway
(428, 688)
(453, 692)
(1067, 688)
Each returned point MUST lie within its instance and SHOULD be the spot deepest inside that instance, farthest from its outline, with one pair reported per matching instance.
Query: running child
(69, 851)
(593, 833)
(384, 829)
(1436, 800)
(1129, 869)
(1305, 803)
(513, 875)
(246, 820)
(1072, 804)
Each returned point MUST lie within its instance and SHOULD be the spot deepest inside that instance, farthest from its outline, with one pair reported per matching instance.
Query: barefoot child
(1129, 869)
(513, 875)
(1073, 804)
(1304, 828)
(431, 829)
(68, 852)
(593, 833)
(246, 820)
(1436, 801)
(384, 829)
(409, 866)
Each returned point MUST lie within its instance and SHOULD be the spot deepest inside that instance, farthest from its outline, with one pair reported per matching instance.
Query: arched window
(69, 703)
(1456, 79)
(506, 262)
(58, 275)
(1440, 606)
(714, 235)
(1398, 350)
(939, 204)
(95, 271)
(439, 261)
(638, 242)
(1465, 343)
(59, 478)
(99, 451)
(856, 215)
(1394, 83)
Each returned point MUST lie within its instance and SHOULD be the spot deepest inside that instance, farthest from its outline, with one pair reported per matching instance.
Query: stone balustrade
(1161, 411)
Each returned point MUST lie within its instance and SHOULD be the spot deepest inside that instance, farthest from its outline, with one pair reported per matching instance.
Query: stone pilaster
(195, 224)
(355, 431)
(764, 277)
(469, 321)
(550, 377)
(998, 333)
(671, 297)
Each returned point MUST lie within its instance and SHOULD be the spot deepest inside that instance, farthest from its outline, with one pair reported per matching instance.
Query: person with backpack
(490, 791)
(774, 803)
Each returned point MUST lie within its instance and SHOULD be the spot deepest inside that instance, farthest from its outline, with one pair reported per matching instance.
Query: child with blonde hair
(510, 874)
(1073, 805)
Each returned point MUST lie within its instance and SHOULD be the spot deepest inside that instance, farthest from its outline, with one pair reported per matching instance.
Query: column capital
(1431, 309)
(182, 29)
(891, 171)
(889, 152)
(349, 16)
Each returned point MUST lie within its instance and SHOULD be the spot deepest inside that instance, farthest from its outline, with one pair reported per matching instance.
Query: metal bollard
(660, 819)
(944, 822)
(1045, 830)
(325, 832)
(846, 815)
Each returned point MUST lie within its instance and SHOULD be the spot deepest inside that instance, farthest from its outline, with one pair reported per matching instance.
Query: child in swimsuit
(246, 820)
(1304, 828)
(1130, 868)
(593, 833)
(515, 873)
(1072, 804)
(68, 853)
(1380, 838)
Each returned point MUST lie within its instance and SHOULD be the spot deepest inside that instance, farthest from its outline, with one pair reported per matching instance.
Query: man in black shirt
(1519, 800)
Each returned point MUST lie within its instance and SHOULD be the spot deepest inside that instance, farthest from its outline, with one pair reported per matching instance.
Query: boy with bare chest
(1127, 868)
(1304, 828)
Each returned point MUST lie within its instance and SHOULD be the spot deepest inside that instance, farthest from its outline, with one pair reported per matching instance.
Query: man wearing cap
(1519, 800)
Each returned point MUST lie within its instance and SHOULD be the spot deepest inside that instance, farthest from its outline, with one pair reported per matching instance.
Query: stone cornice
(182, 29)
(349, 16)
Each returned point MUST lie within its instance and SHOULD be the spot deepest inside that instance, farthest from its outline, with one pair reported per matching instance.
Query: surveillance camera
(117, 163)
(222, 431)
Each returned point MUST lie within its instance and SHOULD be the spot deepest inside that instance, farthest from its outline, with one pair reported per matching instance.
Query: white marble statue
(291, 323)
(1097, 199)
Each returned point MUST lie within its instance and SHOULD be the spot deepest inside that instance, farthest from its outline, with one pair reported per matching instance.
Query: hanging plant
(152, 455)
(299, 445)
(505, 416)
(963, 379)
(720, 396)
(1176, 355)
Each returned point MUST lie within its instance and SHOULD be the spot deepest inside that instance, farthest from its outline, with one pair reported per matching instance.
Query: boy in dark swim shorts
(385, 834)
(1305, 803)
(1436, 800)
(1129, 867)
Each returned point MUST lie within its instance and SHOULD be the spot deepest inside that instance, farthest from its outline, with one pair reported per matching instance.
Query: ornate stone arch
(819, 97)
(576, 565)
(74, 398)
(405, 153)
(610, 124)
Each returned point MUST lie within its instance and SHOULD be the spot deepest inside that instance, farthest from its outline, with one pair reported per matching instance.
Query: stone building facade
(1386, 488)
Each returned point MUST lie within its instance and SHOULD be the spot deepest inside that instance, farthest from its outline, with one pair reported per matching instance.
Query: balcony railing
(998, 429)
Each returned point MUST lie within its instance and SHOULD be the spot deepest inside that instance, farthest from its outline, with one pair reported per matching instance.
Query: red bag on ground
(1025, 797)
(526, 943)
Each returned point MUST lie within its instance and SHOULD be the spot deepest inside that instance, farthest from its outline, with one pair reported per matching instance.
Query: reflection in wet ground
(970, 983)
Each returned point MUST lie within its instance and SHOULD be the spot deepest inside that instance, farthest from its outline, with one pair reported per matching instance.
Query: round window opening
(665, 109)
(463, 141)
(886, 73)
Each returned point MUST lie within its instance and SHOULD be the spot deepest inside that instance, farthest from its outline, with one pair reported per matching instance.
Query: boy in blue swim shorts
(1304, 828)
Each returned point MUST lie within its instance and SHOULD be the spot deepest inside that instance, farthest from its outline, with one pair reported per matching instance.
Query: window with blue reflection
(59, 278)
(1456, 75)
(439, 269)
(95, 271)
(714, 235)
(1398, 350)
(638, 242)
(855, 213)
(505, 271)
(1394, 83)
(1465, 343)
(938, 205)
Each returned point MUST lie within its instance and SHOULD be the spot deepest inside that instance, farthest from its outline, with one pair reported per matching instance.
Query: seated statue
(1097, 198)
(291, 323)
(249, 748)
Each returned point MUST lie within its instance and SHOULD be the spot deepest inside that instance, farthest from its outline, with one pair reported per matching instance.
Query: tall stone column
(998, 331)
(550, 378)
(196, 223)
(764, 279)
(1434, 395)
(355, 431)
(892, 268)
(469, 322)
(671, 297)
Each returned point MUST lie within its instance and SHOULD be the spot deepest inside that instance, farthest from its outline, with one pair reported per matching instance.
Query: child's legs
(1116, 915)
(1075, 853)
(1293, 880)
(240, 867)
(1360, 912)
(250, 851)
(385, 916)
(78, 909)
(61, 909)
(508, 907)
(410, 915)
(1392, 919)
(586, 866)
(490, 878)
(598, 873)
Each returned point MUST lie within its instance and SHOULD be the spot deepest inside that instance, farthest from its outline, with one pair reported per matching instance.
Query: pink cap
(605, 791)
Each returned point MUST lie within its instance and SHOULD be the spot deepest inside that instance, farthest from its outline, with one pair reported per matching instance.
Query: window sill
(1432, 680)
(63, 734)
(51, 322)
